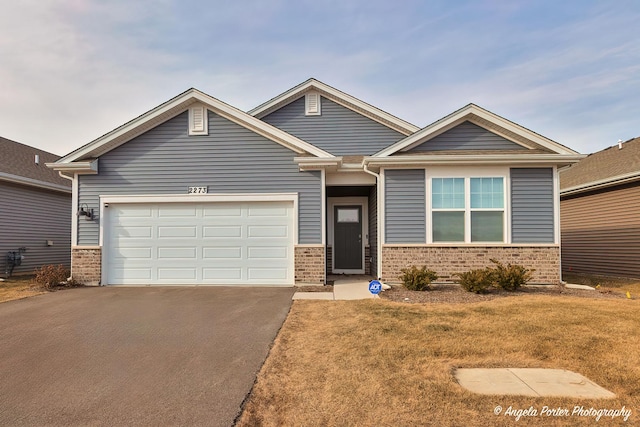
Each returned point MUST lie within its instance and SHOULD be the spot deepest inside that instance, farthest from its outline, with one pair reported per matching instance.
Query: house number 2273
(197, 190)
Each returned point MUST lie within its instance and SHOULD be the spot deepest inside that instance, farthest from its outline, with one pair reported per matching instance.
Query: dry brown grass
(382, 363)
(606, 283)
(18, 287)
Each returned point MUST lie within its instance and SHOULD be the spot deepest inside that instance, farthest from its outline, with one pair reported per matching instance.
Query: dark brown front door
(347, 251)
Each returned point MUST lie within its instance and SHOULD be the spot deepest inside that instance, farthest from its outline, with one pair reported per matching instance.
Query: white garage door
(199, 243)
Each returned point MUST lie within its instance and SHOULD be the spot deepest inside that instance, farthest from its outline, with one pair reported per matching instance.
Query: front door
(347, 248)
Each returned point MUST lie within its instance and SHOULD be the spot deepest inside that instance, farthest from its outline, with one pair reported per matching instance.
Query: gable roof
(613, 165)
(17, 164)
(175, 106)
(485, 119)
(338, 97)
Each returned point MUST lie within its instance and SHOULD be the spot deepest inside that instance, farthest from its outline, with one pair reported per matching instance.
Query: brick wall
(448, 260)
(309, 264)
(86, 265)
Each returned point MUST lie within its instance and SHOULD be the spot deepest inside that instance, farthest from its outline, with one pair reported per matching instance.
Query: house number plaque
(197, 190)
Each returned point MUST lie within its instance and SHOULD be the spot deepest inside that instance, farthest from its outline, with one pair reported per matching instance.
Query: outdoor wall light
(87, 213)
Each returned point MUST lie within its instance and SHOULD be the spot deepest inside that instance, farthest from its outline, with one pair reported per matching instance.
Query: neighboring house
(600, 200)
(35, 208)
(196, 191)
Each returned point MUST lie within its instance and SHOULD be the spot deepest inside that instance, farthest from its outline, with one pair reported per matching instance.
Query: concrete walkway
(347, 288)
(530, 382)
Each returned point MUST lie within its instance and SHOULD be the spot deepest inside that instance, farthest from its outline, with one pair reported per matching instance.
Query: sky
(73, 70)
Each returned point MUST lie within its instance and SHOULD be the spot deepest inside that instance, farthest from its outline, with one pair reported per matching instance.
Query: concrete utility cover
(530, 382)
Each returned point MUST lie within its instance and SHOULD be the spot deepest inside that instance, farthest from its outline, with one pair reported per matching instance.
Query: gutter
(33, 182)
(378, 222)
(601, 183)
(492, 159)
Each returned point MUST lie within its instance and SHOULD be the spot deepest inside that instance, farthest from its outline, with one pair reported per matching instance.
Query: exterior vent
(312, 104)
(198, 120)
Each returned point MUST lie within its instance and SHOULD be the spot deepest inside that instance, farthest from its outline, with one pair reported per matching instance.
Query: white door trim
(363, 202)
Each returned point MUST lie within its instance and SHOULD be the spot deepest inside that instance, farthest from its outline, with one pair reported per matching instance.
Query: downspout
(378, 222)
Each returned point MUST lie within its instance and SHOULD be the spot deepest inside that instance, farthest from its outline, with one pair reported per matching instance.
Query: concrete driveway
(135, 356)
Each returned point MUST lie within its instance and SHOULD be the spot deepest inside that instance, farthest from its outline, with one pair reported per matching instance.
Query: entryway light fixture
(87, 213)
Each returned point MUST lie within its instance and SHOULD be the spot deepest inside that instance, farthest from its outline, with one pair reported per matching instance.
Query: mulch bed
(320, 288)
(455, 294)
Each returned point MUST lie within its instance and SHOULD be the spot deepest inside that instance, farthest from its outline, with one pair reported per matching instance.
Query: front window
(467, 209)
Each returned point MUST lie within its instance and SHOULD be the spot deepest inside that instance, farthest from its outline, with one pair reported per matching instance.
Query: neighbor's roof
(608, 167)
(17, 164)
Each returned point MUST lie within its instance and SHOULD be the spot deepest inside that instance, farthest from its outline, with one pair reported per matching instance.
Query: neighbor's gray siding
(340, 131)
(373, 230)
(405, 214)
(532, 219)
(466, 136)
(231, 159)
(28, 218)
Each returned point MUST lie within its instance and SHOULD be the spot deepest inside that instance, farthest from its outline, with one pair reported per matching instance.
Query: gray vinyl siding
(231, 159)
(338, 130)
(466, 136)
(532, 219)
(29, 217)
(373, 230)
(405, 209)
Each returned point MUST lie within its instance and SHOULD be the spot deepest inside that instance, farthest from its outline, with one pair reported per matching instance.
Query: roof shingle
(19, 159)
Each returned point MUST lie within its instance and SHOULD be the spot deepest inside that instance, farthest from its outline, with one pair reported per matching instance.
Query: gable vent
(198, 120)
(312, 104)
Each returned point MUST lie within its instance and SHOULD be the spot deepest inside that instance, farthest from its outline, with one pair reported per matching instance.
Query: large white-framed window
(467, 206)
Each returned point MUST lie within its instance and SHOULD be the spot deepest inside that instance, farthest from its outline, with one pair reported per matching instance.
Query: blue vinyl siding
(405, 208)
(338, 130)
(532, 219)
(29, 216)
(466, 136)
(231, 159)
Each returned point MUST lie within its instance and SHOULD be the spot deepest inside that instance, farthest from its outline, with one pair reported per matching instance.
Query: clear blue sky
(72, 70)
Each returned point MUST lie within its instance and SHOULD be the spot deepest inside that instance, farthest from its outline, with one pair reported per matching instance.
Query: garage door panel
(214, 274)
(272, 252)
(267, 274)
(133, 253)
(177, 253)
(169, 232)
(209, 243)
(222, 231)
(222, 252)
(179, 274)
(267, 231)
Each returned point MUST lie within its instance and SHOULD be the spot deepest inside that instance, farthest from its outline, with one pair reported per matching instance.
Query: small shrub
(510, 277)
(478, 280)
(417, 279)
(51, 276)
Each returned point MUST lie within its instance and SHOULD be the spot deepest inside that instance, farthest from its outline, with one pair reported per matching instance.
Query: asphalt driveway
(135, 356)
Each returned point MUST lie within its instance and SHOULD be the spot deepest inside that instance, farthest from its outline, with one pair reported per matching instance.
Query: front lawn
(17, 287)
(384, 363)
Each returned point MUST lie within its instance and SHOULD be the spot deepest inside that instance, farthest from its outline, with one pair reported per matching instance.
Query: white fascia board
(16, 179)
(208, 197)
(315, 163)
(601, 183)
(80, 168)
(459, 116)
(339, 97)
(486, 159)
(179, 104)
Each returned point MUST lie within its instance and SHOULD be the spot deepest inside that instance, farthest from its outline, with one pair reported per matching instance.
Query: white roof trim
(339, 97)
(484, 159)
(178, 105)
(601, 183)
(89, 167)
(462, 114)
(16, 179)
